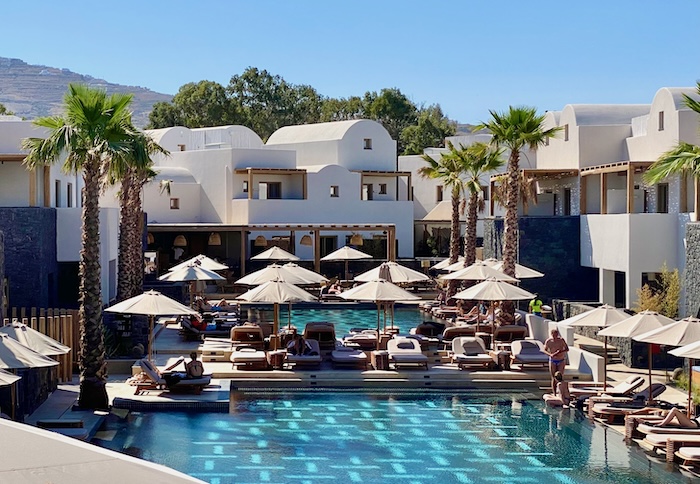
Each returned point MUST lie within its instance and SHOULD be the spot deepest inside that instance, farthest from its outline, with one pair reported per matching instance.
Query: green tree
(430, 131)
(5, 111)
(475, 161)
(94, 130)
(392, 109)
(514, 130)
(342, 109)
(448, 169)
(684, 158)
(164, 115)
(196, 105)
(664, 297)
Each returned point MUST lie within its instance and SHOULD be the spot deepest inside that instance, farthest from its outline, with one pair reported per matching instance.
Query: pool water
(345, 319)
(360, 437)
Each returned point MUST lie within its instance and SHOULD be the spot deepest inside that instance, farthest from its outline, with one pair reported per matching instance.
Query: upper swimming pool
(366, 437)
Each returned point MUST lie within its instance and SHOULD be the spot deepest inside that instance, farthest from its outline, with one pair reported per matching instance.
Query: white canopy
(478, 271)
(444, 264)
(600, 317)
(277, 292)
(378, 290)
(7, 378)
(641, 322)
(310, 275)
(35, 340)
(346, 253)
(150, 303)
(393, 272)
(494, 290)
(521, 272)
(191, 273)
(680, 333)
(276, 272)
(688, 351)
(275, 253)
(202, 261)
(14, 355)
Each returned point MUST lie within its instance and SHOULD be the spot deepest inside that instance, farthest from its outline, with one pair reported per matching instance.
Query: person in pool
(556, 348)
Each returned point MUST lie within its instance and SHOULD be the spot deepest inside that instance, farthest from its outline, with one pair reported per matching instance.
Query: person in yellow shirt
(535, 306)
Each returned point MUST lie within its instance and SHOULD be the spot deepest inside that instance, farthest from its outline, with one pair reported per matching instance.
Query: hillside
(32, 91)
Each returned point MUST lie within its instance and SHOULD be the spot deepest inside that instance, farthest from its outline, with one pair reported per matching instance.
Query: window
(58, 194)
(382, 188)
(567, 201)
(438, 193)
(245, 186)
(270, 190)
(485, 191)
(69, 195)
(367, 191)
(661, 120)
(566, 132)
(662, 198)
(181, 147)
(335, 191)
(368, 143)
(174, 204)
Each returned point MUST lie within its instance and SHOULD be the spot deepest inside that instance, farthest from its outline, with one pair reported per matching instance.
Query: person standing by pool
(535, 306)
(556, 348)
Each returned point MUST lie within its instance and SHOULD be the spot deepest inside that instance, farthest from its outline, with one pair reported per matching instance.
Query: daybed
(249, 358)
(324, 333)
(248, 334)
(350, 357)
(670, 443)
(608, 407)
(406, 352)
(529, 352)
(313, 358)
(156, 381)
(583, 390)
(470, 351)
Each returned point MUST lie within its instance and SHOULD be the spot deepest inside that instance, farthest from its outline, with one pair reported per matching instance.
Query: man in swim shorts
(557, 349)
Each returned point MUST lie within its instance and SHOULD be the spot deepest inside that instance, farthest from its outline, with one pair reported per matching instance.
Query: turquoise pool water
(355, 437)
(346, 318)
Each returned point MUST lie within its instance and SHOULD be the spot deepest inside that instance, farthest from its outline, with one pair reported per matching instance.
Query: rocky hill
(31, 91)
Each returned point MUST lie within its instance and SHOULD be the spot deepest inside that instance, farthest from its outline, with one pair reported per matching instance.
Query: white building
(329, 181)
(40, 216)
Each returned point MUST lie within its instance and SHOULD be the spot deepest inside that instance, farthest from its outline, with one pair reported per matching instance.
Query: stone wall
(550, 245)
(30, 255)
(2, 276)
(691, 281)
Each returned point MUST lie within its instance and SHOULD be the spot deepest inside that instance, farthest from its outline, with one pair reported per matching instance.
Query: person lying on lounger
(299, 346)
(193, 370)
(676, 418)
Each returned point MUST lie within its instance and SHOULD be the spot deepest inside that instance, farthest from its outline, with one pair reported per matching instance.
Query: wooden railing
(59, 324)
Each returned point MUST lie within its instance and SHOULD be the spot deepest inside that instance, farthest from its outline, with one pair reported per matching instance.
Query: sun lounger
(690, 456)
(509, 333)
(529, 352)
(156, 381)
(675, 422)
(365, 340)
(583, 390)
(470, 351)
(350, 357)
(313, 358)
(190, 333)
(670, 443)
(449, 334)
(249, 358)
(248, 334)
(609, 407)
(324, 333)
(406, 352)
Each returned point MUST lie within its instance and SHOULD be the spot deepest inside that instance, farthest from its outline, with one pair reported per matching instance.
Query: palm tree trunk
(454, 239)
(93, 367)
(124, 266)
(510, 236)
(470, 232)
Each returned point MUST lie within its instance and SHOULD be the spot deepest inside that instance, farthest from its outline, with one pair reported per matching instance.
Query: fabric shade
(680, 333)
(600, 317)
(7, 378)
(393, 272)
(15, 356)
(479, 271)
(276, 272)
(640, 323)
(275, 253)
(521, 272)
(202, 261)
(378, 290)
(150, 303)
(35, 340)
(191, 273)
(494, 290)
(346, 253)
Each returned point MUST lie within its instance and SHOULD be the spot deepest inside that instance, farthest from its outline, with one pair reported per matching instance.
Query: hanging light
(356, 239)
(150, 238)
(180, 241)
(215, 238)
(306, 240)
(260, 241)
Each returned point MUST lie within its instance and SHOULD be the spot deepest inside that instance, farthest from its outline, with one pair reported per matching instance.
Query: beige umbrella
(456, 266)
(312, 276)
(191, 273)
(444, 264)
(16, 356)
(276, 272)
(275, 253)
(521, 272)
(692, 352)
(381, 292)
(202, 261)
(393, 272)
(7, 378)
(151, 304)
(35, 340)
(479, 271)
(681, 333)
(493, 290)
(638, 324)
(276, 292)
(346, 254)
(600, 317)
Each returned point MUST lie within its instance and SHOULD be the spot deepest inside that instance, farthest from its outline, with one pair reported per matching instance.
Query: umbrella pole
(346, 269)
(13, 397)
(289, 316)
(690, 387)
(150, 337)
(493, 325)
(275, 325)
(651, 397)
(379, 311)
(605, 366)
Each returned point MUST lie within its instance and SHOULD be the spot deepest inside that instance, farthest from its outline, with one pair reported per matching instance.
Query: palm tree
(518, 128)
(94, 130)
(527, 191)
(449, 170)
(475, 160)
(132, 172)
(684, 158)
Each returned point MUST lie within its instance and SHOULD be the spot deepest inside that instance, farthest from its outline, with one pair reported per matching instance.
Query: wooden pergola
(628, 167)
(250, 172)
(19, 158)
(537, 174)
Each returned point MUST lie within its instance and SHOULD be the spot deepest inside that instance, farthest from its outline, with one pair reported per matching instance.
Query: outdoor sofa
(406, 352)
(155, 380)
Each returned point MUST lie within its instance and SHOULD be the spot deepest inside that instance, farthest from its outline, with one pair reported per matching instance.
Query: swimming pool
(369, 437)
(345, 318)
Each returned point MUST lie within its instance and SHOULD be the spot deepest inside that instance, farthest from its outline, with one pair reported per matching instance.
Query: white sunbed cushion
(689, 453)
(653, 429)
(658, 440)
(349, 355)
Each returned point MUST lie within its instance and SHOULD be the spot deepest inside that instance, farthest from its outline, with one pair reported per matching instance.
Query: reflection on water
(380, 437)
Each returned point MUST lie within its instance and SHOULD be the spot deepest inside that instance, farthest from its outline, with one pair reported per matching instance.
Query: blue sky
(467, 56)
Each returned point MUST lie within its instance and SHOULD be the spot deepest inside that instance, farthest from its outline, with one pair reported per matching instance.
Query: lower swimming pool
(366, 437)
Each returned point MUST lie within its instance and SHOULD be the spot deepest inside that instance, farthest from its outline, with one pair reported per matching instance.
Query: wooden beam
(244, 247)
(582, 200)
(250, 184)
(317, 250)
(47, 186)
(32, 188)
(683, 205)
(630, 188)
(304, 186)
(391, 244)
(603, 193)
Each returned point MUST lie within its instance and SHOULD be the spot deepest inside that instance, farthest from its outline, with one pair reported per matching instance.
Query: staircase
(599, 349)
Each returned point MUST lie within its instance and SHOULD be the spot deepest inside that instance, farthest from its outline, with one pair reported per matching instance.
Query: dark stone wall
(2, 276)
(692, 269)
(30, 255)
(552, 246)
